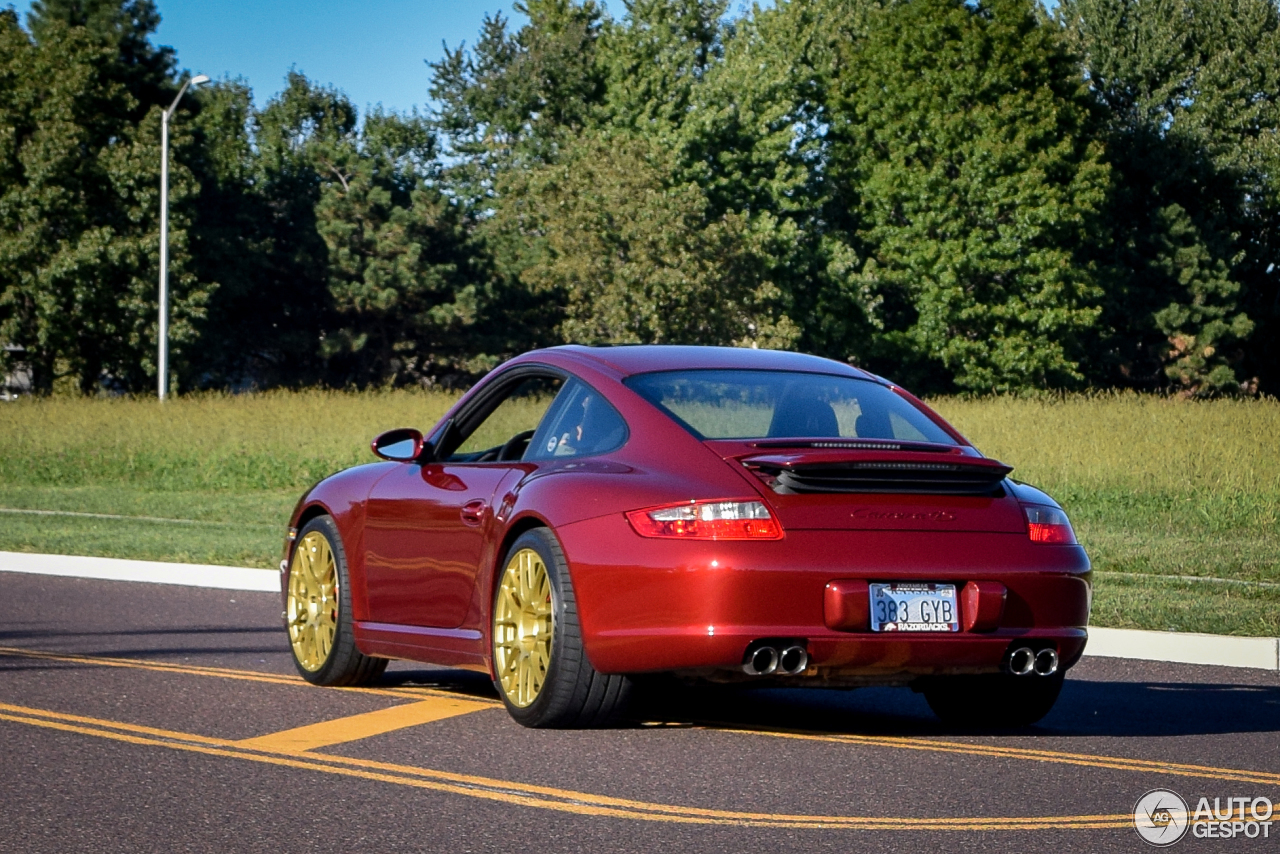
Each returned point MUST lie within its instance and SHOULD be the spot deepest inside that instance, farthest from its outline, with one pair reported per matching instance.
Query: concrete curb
(152, 572)
(1185, 648)
(1174, 647)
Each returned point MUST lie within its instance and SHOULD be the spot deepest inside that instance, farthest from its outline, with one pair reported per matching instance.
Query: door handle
(473, 511)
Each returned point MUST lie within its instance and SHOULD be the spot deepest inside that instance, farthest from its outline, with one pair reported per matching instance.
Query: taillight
(1048, 525)
(707, 520)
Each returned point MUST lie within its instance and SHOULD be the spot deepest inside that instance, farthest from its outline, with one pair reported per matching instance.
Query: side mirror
(403, 445)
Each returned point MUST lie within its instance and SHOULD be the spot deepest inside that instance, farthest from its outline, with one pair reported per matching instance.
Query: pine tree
(1191, 90)
(244, 338)
(963, 146)
(397, 258)
(124, 28)
(504, 103)
(656, 57)
(635, 258)
(755, 140)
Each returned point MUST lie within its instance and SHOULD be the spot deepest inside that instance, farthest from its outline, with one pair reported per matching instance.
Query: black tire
(996, 701)
(573, 694)
(312, 610)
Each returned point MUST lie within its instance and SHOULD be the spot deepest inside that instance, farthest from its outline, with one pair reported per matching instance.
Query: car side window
(580, 423)
(504, 433)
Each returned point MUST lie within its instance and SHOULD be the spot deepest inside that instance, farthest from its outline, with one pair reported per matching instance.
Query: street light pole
(162, 372)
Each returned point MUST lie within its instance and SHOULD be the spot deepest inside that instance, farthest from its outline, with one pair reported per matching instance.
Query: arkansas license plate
(914, 608)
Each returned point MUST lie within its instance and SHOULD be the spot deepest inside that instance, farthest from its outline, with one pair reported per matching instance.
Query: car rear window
(736, 404)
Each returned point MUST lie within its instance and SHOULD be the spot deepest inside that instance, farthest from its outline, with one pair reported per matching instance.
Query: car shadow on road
(1171, 703)
(1164, 708)
(188, 645)
(1086, 708)
(1092, 707)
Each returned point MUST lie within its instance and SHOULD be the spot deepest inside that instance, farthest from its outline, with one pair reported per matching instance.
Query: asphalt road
(143, 717)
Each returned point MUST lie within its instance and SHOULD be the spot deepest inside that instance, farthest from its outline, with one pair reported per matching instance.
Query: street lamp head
(192, 81)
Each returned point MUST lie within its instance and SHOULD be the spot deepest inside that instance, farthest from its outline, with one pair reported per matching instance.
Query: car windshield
(736, 404)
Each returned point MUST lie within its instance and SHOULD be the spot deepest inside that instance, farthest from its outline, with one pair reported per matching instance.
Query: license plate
(914, 608)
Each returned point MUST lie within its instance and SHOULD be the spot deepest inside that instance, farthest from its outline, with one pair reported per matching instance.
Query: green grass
(278, 440)
(243, 528)
(1155, 487)
(234, 465)
(1130, 601)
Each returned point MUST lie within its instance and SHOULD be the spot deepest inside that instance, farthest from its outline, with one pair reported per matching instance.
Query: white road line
(153, 572)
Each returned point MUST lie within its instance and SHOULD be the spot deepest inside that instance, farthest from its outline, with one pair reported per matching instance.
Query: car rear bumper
(665, 605)
(843, 659)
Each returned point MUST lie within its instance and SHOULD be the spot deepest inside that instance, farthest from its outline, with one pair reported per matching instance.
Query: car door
(427, 523)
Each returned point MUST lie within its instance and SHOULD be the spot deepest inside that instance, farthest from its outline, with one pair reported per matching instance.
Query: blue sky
(374, 50)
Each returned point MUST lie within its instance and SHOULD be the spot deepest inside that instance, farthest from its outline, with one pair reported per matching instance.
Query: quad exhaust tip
(793, 660)
(1021, 661)
(765, 659)
(1025, 660)
(1046, 662)
(762, 661)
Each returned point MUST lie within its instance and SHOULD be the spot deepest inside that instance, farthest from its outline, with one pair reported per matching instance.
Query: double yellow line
(523, 794)
(1087, 760)
(295, 749)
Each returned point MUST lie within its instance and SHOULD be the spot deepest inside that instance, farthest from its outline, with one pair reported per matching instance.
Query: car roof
(630, 359)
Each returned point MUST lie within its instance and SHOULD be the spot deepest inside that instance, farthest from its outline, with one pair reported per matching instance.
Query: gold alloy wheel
(522, 627)
(313, 601)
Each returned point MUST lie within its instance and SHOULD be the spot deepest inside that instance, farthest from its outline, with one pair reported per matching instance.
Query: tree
(261, 230)
(506, 106)
(1191, 90)
(964, 146)
(344, 262)
(503, 104)
(657, 57)
(243, 339)
(633, 257)
(396, 256)
(124, 28)
(79, 208)
(755, 139)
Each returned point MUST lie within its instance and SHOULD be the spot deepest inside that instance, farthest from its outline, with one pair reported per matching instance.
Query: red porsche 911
(587, 515)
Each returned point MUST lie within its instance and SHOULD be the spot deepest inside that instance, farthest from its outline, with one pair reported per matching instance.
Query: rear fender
(341, 496)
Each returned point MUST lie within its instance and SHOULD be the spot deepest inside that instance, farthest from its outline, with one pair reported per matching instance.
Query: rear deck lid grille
(967, 476)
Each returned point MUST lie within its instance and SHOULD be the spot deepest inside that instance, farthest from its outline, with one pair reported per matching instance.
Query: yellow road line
(1115, 763)
(540, 797)
(1058, 757)
(356, 727)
